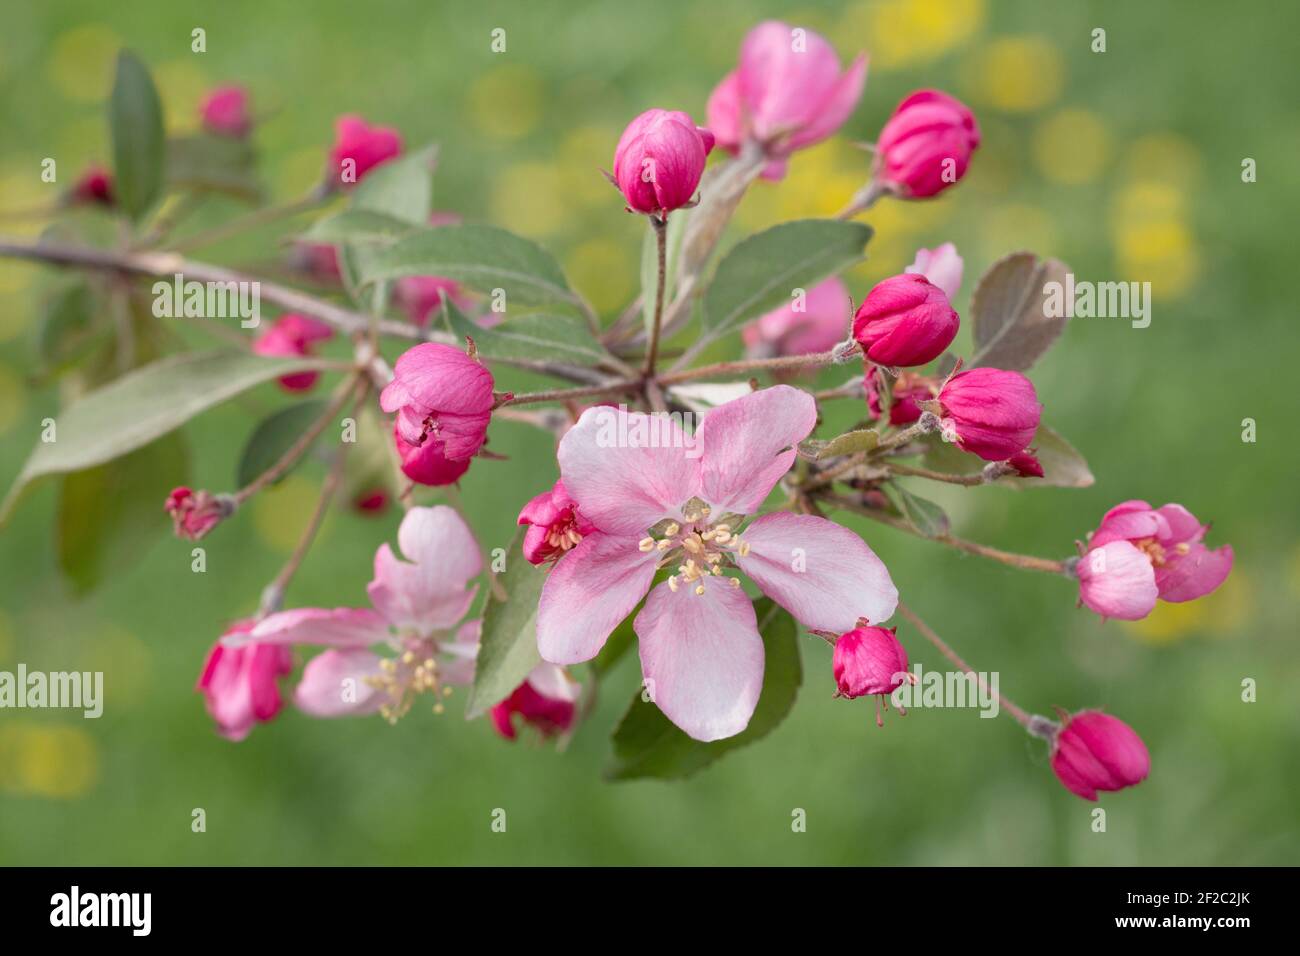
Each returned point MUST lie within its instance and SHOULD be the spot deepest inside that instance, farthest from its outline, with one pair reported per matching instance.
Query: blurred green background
(1125, 164)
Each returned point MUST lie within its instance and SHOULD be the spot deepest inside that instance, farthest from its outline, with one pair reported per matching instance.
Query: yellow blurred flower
(81, 64)
(505, 103)
(583, 153)
(1225, 612)
(124, 659)
(181, 86)
(1164, 157)
(605, 272)
(46, 760)
(527, 198)
(1072, 147)
(1013, 226)
(1153, 240)
(907, 32)
(1017, 74)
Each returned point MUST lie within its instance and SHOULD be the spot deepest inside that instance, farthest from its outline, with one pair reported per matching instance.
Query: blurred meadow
(1125, 164)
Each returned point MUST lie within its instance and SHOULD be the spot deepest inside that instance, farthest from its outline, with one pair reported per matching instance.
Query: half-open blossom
(241, 685)
(427, 463)
(659, 498)
(1140, 553)
(293, 334)
(94, 186)
(941, 265)
(812, 322)
(440, 393)
(659, 160)
(195, 513)
(360, 147)
(926, 146)
(1095, 751)
(869, 660)
(990, 412)
(545, 701)
(787, 93)
(419, 606)
(555, 526)
(905, 320)
(910, 389)
(224, 111)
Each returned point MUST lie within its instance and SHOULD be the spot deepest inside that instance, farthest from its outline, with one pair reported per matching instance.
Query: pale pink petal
(1181, 525)
(725, 113)
(340, 627)
(1117, 580)
(747, 446)
(334, 684)
(427, 592)
(783, 87)
(588, 594)
(702, 657)
(836, 108)
(460, 655)
(821, 572)
(1186, 577)
(627, 470)
(941, 265)
(551, 681)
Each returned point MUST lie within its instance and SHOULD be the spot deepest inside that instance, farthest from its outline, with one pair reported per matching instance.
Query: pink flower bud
(1026, 464)
(194, 514)
(546, 701)
(905, 320)
(941, 265)
(421, 296)
(371, 501)
(439, 392)
(869, 660)
(365, 146)
(224, 112)
(292, 334)
(926, 145)
(909, 390)
(240, 685)
(659, 160)
(812, 323)
(990, 412)
(427, 463)
(555, 525)
(787, 94)
(1095, 751)
(94, 186)
(1116, 580)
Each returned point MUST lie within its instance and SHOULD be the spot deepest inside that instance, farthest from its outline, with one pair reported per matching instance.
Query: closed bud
(926, 146)
(905, 321)
(990, 412)
(659, 161)
(1095, 751)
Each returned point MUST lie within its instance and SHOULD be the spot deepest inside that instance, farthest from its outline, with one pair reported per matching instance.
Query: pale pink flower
(546, 701)
(657, 497)
(812, 324)
(787, 93)
(941, 265)
(240, 685)
(419, 606)
(421, 296)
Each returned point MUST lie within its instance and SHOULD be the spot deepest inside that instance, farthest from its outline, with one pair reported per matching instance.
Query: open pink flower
(240, 685)
(555, 526)
(787, 93)
(941, 265)
(360, 147)
(1139, 554)
(545, 701)
(812, 324)
(289, 335)
(419, 604)
(657, 497)
(440, 392)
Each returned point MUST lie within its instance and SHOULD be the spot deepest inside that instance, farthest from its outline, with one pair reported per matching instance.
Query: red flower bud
(94, 186)
(224, 112)
(546, 701)
(926, 145)
(194, 514)
(990, 412)
(364, 145)
(659, 160)
(869, 660)
(905, 320)
(1095, 751)
(292, 334)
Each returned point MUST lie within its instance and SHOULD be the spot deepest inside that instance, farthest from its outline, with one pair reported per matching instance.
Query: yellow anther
(743, 546)
(672, 583)
(664, 545)
(646, 544)
(700, 589)
(735, 582)
(717, 569)
(672, 529)
(692, 544)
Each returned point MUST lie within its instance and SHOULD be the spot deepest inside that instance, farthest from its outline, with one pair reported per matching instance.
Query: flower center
(411, 673)
(699, 547)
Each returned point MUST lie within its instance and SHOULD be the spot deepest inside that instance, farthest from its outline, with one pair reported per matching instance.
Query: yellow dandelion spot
(1017, 226)
(125, 661)
(605, 272)
(81, 66)
(181, 86)
(1018, 74)
(46, 760)
(582, 154)
(1164, 157)
(280, 513)
(505, 103)
(1222, 613)
(1072, 147)
(907, 32)
(1146, 202)
(1162, 253)
(529, 197)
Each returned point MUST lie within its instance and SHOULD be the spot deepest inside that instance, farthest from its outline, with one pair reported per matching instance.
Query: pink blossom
(905, 320)
(545, 701)
(926, 146)
(1095, 751)
(869, 660)
(224, 111)
(909, 390)
(1148, 553)
(439, 392)
(292, 334)
(240, 685)
(813, 323)
(365, 145)
(428, 464)
(787, 93)
(94, 186)
(371, 501)
(419, 604)
(195, 513)
(990, 412)
(659, 160)
(941, 265)
(555, 526)
(658, 497)
(420, 296)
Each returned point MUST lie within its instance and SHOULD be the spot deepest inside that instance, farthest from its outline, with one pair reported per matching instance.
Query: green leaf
(1063, 466)
(110, 514)
(220, 164)
(136, 129)
(66, 331)
(1012, 329)
(274, 436)
(616, 647)
(482, 257)
(761, 272)
(538, 336)
(400, 188)
(508, 650)
(358, 225)
(923, 514)
(145, 404)
(647, 744)
(850, 443)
